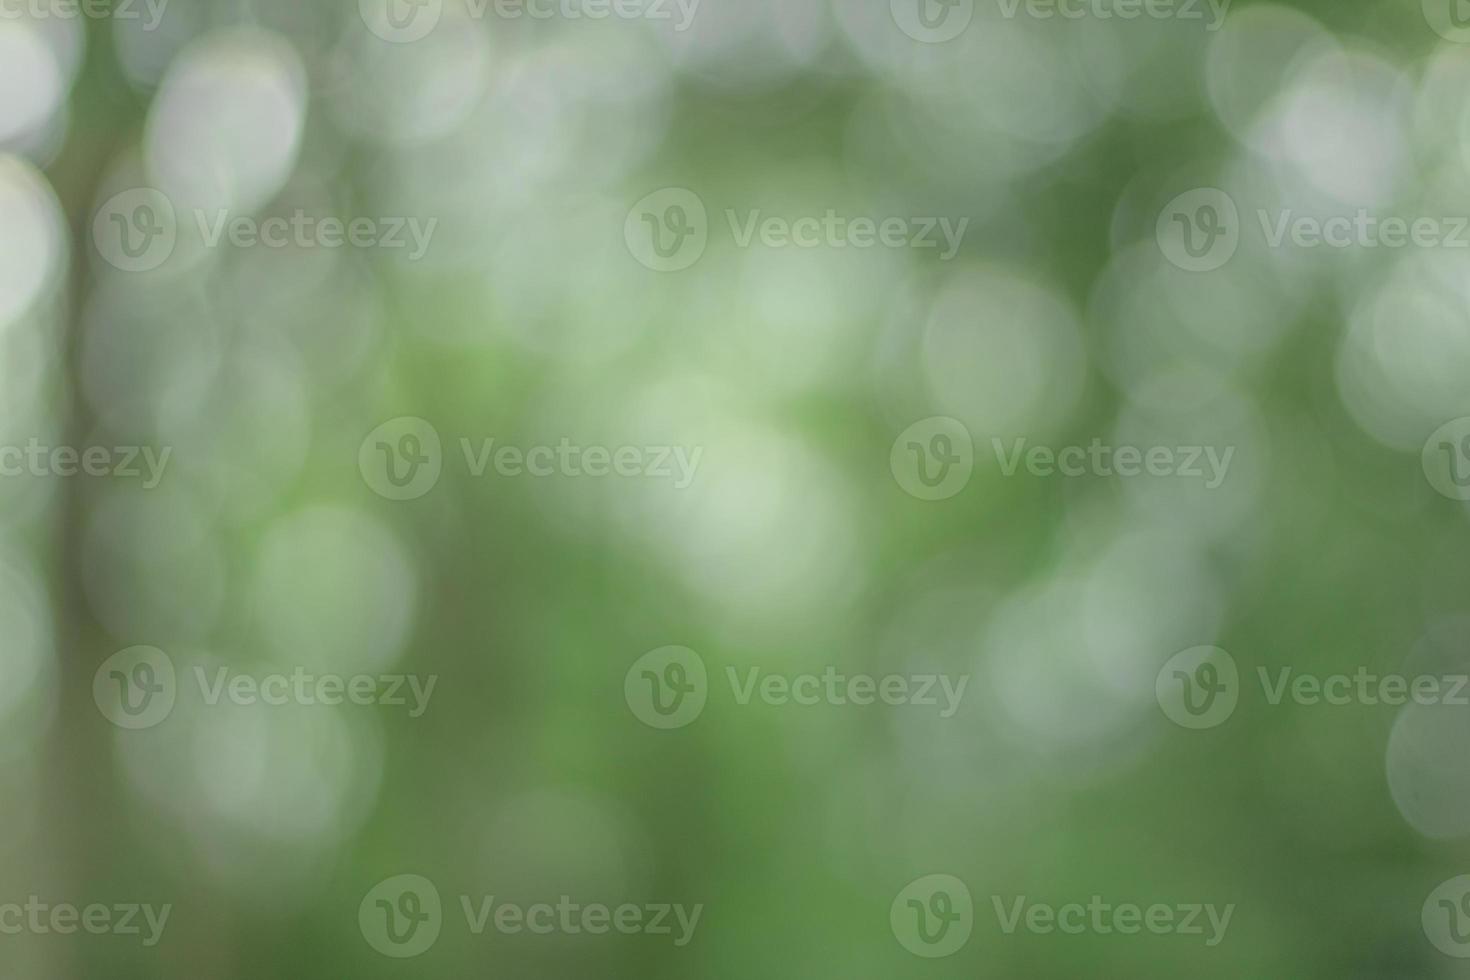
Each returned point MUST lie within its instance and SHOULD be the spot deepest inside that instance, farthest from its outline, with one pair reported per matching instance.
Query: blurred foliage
(533, 319)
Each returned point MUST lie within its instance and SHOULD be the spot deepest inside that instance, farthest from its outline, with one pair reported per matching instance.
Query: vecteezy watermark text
(572, 918)
(833, 230)
(403, 458)
(303, 230)
(36, 459)
(1205, 463)
(1200, 688)
(668, 688)
(933, 916)
(1211, 11)
(1200, 230)
(837, 688)
(1362, 229)
(406, 21)
(1105, 918)
(138, 230)
(934, 459)
(668, 230)
(403, 916)
(65, 919)
(90, 9)
(138, 687)
(938, 21)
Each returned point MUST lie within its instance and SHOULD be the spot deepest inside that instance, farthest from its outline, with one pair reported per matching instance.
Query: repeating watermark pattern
(1200, 688)
(934, 459)
(566, 916)
(1446, 917)
(668, 688)
(834, 230)
(1450, 19)
(150, 12)
(937, 21)
(1210, 12)
(1209, 464)
(403, 917)
(939, 691)
(304, 230)
(1362, 229)
(403, 458)
(932, 21)
(135, 688)
(933, 916)
(1105, 918)
(65, 919)
(668, 230)
(138, 687)
(1446, 459)
(1364, 687)
(406, 21)
(137, 231)
(122, 462)
(1200, 230)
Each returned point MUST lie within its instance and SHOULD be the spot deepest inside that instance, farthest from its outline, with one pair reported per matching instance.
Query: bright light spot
(226, 126)
(1073, 659)
(1252, 57)
(412, 93)
(1428, 756)
(31, 79)
(1401, 367)
(1343, 127)
(32, 245)
(263, 795)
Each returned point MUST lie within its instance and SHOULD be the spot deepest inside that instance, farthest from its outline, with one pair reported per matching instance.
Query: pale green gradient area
(617, 473)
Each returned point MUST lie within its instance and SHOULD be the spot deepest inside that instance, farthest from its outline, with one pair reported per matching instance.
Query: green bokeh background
(793, 371)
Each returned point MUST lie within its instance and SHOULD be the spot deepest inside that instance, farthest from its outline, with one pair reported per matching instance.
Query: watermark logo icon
(933, 916)
(401, 459)
(1199, 687)
(932, 21)
(933, 459)
(135, 688)
(1446, 459)
(1446, 917)
(136, 230)
(401, 917)
(1199, 230)
(668, 230)
(667, 688)
(1449, 18)
(401, 21)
